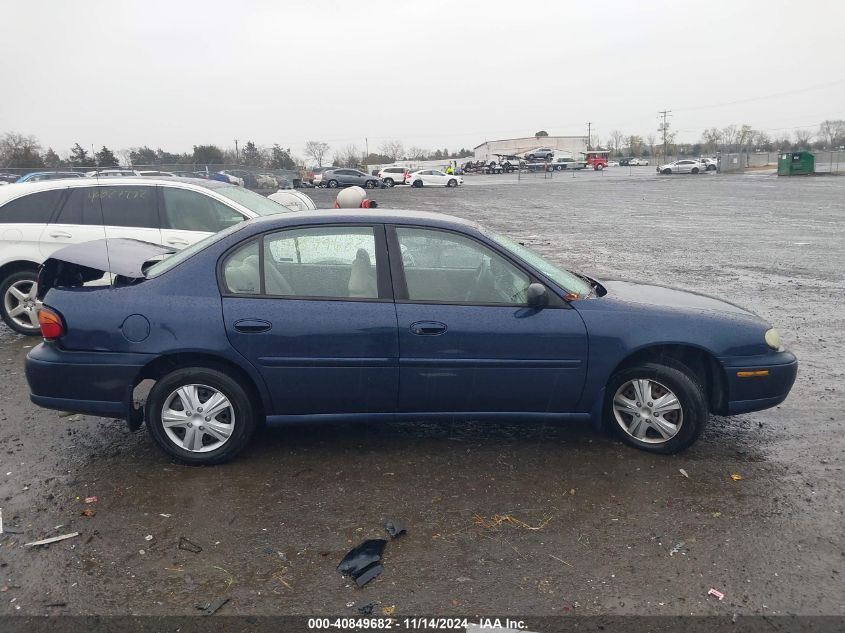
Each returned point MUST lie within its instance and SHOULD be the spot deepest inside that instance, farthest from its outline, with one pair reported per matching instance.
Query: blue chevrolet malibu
(364, 315)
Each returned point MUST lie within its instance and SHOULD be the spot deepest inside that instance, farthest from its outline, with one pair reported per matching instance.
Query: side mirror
(537, 295)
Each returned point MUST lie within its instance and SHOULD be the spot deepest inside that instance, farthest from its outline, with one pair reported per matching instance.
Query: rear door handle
(428, 328)
(177, 240)
(60, 234)
(252, 326)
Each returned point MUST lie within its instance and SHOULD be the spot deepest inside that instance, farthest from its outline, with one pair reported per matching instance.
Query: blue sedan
(364, 315)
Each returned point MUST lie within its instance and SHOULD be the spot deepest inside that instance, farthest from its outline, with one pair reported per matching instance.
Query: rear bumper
(93, 383)
(768, 384)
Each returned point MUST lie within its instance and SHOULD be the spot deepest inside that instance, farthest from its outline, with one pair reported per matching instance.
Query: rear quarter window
(34, 208)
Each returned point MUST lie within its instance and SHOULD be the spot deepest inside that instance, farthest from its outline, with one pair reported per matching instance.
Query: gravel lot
(617, 531)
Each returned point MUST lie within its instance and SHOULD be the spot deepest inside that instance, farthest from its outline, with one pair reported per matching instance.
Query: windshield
(178, 257)
(255, 202)
(563, 278)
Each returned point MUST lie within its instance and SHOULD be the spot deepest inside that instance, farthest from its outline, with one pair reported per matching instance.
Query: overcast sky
(177, 73)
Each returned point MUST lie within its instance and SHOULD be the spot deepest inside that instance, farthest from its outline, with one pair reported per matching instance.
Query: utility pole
(664, 127)
(237, 159)
(589, 135)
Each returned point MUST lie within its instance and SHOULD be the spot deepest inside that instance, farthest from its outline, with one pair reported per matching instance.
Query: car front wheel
(332, 184)
(655, 407)
(200, 416)
(666, 172)
(452, 183)
(418, 183)
(695, 170)
(389, 182)
(19, 308)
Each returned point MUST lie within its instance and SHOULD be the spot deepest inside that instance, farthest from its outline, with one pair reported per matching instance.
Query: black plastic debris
(395, 528)
(189, 546)
(212, 607)
(362, 562)
(367, 609)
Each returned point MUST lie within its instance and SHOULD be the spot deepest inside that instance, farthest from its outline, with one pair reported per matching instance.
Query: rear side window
(187, 210)
(123, 205)
(36, 208)
(241, 270)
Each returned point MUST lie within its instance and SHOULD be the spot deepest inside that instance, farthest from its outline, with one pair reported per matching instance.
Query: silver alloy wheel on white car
(648, 411)
(21, 304)
(198, 418)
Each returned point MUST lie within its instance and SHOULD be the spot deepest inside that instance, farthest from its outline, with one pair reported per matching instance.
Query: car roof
(17, 189)
(364, 216)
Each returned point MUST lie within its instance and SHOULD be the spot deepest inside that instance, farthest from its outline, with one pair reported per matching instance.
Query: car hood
(671, 298)
(121, 256)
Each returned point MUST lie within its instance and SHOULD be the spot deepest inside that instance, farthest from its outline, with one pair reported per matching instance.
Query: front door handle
(428, 328)
(177, 241)
(252, 326)
(60, 234)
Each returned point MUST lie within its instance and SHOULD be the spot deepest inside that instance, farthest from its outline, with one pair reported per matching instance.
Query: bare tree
(832, 132)
(393, 148)
(783, 142)
(729, 137)
(710, 139)
(803, 138)
(744, 136)
(417, 153)
(316, 150)
(761, 140)
(635, 145)
(16, 147)
(349, 156)
(651, 140)
(616, 140)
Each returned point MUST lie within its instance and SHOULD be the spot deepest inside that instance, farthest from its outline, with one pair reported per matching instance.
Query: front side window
(447, 267)
(332, 262)
(35, 208)
(123, 205)
(187, 210)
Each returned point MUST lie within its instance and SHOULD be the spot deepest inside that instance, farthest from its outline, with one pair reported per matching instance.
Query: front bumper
(759, 382)
(92, 383)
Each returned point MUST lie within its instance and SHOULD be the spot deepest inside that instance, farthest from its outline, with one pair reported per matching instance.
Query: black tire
(598, 167)
(682, 382)
(23, 275)
(370, 184)
(418, 184)
(389, 182)
(452, 183)
(695, 170)
(332, 184)
(245, 416)
(530, 157)
(666, 172)
(559, 167)
(711, 167)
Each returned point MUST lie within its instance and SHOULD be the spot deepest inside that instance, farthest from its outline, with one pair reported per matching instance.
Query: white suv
(39, 218)
(393, 175)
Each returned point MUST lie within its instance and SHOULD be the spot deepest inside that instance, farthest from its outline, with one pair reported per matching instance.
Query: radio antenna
(102, 215)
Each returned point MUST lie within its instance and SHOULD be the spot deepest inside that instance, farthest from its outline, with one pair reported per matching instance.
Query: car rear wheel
(695, 170)
(655, 407)
(599, 167)
(452, 183)
(711, 167)
(332, 184)
(389, 182)
(666, 172)
(200, 416)
(370, 184)
(19, 307)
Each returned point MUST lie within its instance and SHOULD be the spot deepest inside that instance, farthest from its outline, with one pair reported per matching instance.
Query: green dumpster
(796, 163)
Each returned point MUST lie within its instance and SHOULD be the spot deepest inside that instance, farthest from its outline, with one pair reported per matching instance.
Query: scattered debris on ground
(91, 499)
(715, 592)
(362, 562)
(367, 609)
(498, 519)
(212, 607)
(388, 610)
(189, 546)
(677, 548)
(53, 539)
(395, 528)
(89, 512)
(736, 476)
(683, 472)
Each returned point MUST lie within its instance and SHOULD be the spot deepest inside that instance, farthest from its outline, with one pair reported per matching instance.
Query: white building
(571, 144)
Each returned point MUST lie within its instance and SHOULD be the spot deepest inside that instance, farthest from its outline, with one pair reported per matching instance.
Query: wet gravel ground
(596, 527)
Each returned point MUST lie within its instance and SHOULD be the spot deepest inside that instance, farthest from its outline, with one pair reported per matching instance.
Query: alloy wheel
(198, 418)
(21, 304)
(648, 411)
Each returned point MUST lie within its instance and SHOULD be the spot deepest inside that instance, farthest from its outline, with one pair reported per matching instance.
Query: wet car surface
(516, 518)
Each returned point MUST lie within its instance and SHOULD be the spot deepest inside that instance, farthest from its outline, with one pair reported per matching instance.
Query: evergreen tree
(106, 158)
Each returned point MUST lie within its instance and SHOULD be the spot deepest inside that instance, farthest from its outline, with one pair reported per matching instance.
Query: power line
(763, 97)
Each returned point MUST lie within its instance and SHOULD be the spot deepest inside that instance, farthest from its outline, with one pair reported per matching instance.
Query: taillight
(51, 323)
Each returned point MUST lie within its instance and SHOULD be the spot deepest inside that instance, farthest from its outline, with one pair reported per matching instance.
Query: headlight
(773, 339)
